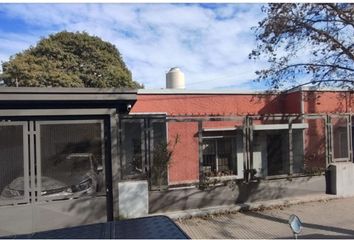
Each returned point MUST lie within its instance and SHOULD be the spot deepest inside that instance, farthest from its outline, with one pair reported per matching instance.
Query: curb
(248, 206)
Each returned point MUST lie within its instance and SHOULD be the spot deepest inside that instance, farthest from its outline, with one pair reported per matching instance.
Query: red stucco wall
(321, 102)
(292, 103)
(327, 102)
(184, 167)
(185, 164)
(314, 147)
(208, 104)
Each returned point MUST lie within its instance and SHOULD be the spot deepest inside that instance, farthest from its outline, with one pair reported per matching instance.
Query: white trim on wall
(280, 126)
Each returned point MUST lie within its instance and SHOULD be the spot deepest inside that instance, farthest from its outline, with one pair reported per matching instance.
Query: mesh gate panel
(71, 159)
(12, 181)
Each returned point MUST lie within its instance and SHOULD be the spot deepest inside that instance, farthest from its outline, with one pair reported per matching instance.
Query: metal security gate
(52, 175)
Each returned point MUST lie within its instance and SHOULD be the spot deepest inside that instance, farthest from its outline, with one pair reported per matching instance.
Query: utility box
(133, 199)
(341, 178)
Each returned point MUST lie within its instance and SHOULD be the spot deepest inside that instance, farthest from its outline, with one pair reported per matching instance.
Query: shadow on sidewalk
(348, 232)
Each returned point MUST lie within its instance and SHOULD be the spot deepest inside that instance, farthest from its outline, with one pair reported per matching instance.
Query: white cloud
(11, 43)
(210, 44)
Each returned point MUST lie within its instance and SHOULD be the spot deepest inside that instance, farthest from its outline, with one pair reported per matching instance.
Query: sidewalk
(323, 216)
(202, 212)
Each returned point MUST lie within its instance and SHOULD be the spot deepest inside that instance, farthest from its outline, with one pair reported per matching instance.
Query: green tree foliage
(68, 59)
(314, 40)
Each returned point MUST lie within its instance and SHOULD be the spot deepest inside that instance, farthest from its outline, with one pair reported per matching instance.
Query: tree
(68, 59)
(313, 40)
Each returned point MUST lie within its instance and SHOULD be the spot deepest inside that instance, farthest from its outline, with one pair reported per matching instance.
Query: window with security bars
(219, 156)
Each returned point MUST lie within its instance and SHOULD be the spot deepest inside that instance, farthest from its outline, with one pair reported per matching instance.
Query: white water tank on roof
(175, 79)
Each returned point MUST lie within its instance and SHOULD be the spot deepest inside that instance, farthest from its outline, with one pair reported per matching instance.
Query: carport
(58, 151)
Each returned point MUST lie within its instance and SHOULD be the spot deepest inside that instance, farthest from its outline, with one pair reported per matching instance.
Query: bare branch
(288, 27)
(329, 37)
(314, 65)
(340, 14)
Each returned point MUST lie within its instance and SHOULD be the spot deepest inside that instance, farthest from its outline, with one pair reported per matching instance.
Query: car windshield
(69, 169)
(75, 163)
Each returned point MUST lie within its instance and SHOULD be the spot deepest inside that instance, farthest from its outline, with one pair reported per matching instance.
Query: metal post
(250, 130)
(350, 143)
(291, 154)
(248, 147)
(325, 119)
(146, 140)
(329, 139)
(244, 139)
(109, 151)
(216, 156)
(145, 143)
(200, 147)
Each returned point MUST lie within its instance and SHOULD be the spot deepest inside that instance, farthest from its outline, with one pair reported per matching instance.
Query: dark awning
(55, 98)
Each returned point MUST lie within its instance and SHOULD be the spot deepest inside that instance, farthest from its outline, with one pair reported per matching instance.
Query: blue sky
(209, 42)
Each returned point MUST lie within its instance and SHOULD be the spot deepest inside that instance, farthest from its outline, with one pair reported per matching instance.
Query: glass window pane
(132, 135)
(72, 161)
(298, 151)
(159, 154)
(225, 153)
(277, 152)
(209, 156)
(271, 152)
(259, 154)
(219, 156)
(340, 138)
(159, 132)
(11, 162)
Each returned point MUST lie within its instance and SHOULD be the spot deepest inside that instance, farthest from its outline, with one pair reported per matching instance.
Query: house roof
(65, 94)
(66, 98)
(200, 92)
(236, 92)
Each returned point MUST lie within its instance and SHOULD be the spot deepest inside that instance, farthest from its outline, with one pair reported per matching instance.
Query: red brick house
(65, 152)
(320, 131)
